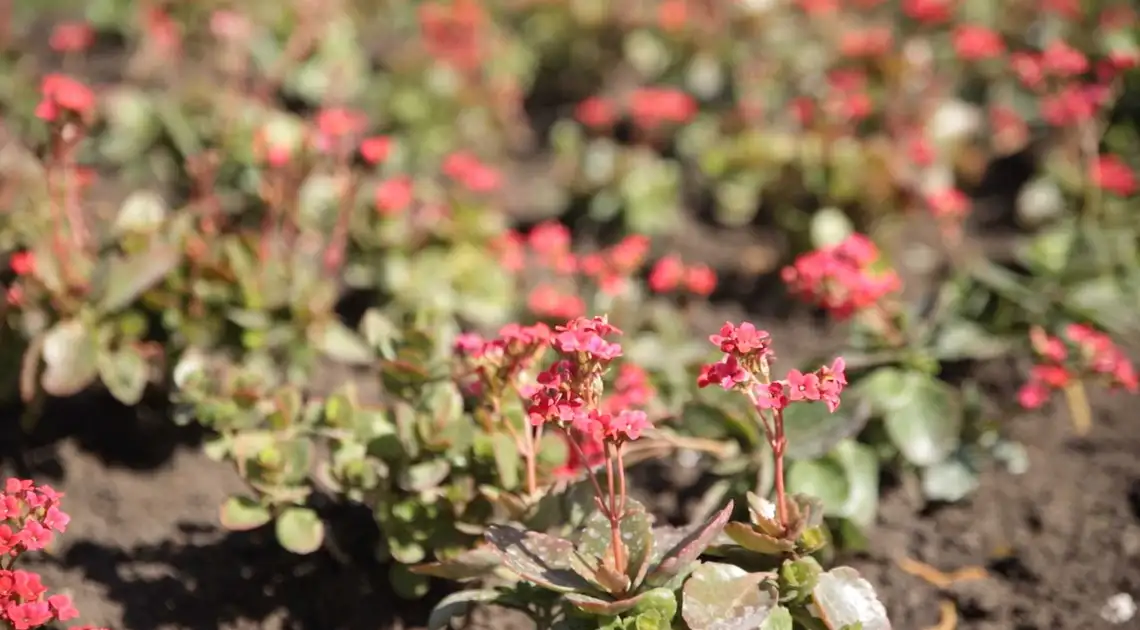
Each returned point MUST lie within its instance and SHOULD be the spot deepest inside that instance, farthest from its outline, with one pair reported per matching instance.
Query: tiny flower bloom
(652, 107)
(596, 112)
(71, 37)
(1033, 395)
(23, 263)
(61, 94)
(975, 42)
(338, 122)
(700, 280)
(929, 11)
(666, 274)
(393, 196)
(376, 149)
(1061, 59)
(1110, 173)
(803, 386)
(62, 607)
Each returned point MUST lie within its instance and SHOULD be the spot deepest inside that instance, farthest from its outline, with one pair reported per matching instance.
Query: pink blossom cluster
(1080, 351)
(498, 362)
(30, 515)
(842, 278)
(745, 366)
(569, 391)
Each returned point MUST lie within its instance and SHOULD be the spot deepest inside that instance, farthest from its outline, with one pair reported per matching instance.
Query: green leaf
(681, 556)
(457, 604)
(780, 619)
(963, 339)
(424, 475)
(300, 530)
(950, 480)
(241, 513)
(406, 584)
(725, 597)
(471, 564)
(812, 430)
(829, 227)
(925, 419)
(636, 535)
(125, 374)
(824, 479)
(843, 598)
(538, 558)
(338, 342)
(506, 455)
(128, 278)
(70, 358)
(380, 332)
(144, 211)
(862, 468)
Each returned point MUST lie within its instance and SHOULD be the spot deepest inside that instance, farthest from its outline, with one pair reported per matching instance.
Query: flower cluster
(1080, 351)
(63, 95)
(648, 107)
(498, 362)
(843, 278)
(569, 392)
(745, 365)
(30, 518)
(547, 247)
(670, 274)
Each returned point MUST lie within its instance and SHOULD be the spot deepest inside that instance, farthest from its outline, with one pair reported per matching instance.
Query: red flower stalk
(746, 367)
(569, 398)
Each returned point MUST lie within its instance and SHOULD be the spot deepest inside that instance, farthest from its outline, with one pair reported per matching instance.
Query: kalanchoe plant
(619, 571)
(1081, 354)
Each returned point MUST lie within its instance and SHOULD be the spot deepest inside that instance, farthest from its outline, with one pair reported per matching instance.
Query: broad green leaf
(830, 227)
(424, 475)
(128, 278)
(843, 598)
(862, 468)
(338, 342)
(506, 455)
(457, 604)
(725, 597)
(144, 211)
(125, 374)
(300, 530)
(824, 479)
(406, 584)
(812, 430)
(241, 513)
(963, 339)
(925, 419)
(950, 480)
(70, 359)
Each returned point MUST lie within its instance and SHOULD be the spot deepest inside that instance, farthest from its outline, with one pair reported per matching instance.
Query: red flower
(666, 274)
(22, 263)
(376, 149)
(1112, 174)
(71, 37)
(63, 94)
(700, 280)
(1063, 60)
(974, 42)
(393, 196)
(652, 107)
(596, 112)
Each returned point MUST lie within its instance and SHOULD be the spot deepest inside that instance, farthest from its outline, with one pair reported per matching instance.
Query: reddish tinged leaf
(538, 558)
(685, 552)
(471, 564)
